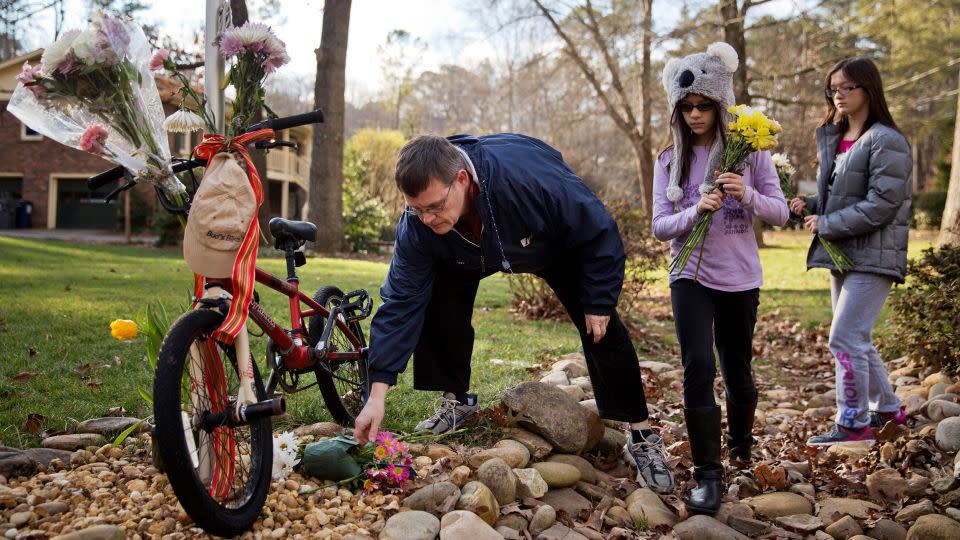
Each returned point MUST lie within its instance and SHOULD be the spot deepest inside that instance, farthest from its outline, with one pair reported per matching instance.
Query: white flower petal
(183, 121)
(55, 54)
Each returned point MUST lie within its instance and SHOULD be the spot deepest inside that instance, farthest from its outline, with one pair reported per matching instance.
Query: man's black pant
(702, 316)
(441, 359)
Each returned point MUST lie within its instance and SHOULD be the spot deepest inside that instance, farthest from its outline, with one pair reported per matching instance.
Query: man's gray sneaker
(650, 457)
(450, 415)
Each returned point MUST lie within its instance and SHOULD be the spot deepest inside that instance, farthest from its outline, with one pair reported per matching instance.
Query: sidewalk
(78, 235)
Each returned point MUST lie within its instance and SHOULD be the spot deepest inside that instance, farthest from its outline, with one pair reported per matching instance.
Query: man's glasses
(843, 91)
(433, 209)
(689, 107)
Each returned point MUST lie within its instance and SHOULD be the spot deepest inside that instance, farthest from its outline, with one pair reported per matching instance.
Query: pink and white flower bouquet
(253, 51)
(94, 91)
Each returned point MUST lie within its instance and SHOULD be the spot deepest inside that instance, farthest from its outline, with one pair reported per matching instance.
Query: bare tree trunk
(645, 153)
(950, 225)
(239, 16)
(733, 17)
(326, 167)
(126, 218)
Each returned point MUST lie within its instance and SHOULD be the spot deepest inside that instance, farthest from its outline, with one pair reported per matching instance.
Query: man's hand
(597, 326)
(367, 424)
(732, 184)
(797, 205)
(811, 223)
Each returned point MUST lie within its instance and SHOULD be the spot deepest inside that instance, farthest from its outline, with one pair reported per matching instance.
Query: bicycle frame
(295, 351)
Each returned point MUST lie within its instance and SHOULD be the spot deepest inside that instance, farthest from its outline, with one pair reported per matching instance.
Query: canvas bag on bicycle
(221, 237)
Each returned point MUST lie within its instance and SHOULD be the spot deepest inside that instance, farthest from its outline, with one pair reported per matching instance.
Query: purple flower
(115, 35)
(28, 74)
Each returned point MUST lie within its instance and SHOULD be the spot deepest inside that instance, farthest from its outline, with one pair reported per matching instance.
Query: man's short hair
(426, 157)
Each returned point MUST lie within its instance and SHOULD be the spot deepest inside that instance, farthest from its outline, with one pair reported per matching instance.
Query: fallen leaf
(83, 368)
(774, 477)
(95, 384)
(34, 422)
(23, 376)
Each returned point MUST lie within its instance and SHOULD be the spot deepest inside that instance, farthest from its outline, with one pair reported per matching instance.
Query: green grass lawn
(57, 358)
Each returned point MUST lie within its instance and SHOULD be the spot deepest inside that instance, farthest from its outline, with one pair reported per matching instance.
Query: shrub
(363, 215)
(533, 298)
(926, 316)
(927, 209)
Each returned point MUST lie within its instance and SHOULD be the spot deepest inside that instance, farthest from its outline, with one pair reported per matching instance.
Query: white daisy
(57, 52)
(183, 121)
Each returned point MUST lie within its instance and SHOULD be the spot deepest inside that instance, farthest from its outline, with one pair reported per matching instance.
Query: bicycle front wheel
(343, 384)
(221, 475)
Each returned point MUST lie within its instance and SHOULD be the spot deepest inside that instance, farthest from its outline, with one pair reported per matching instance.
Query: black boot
(703, 427)
(740, 431)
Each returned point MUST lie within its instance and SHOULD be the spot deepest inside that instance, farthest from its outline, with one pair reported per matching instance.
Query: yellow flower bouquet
(750, 131)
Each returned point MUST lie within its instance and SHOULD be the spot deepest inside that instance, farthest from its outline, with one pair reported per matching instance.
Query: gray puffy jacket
(865, 209)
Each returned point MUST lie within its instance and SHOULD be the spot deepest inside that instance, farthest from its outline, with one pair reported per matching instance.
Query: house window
(27, 134)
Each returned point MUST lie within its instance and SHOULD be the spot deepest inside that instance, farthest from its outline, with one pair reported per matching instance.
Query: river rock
(948, 434)
(914, 511)
(612, 442)
(934, 527)
(573, 391)
(556, 378)
(320, 429)
(887, 529)
(749, 526)
(513, 521)
(543, 518)
(461, 524)
(45, 456)
(936, 378)
(549, 412)
(477, 498)
(515, 457)
(74, 441)
(644, 505)
(587, 472)
(435, 498)
(567, 500)
(730, 509)
(97, 532)
(530, 483)
(940, 409)
(521, 449)
(559, 531)
(886, 485)
(776, 504)
(412, 525)
(702, 527)
(800, 523)
(460, 475)
(110, 425)
(14, 462)
(844, 528)
(834, 508)
(537, 446)
(557, 475)
(498, 476)
(573, 367)
(509, 534)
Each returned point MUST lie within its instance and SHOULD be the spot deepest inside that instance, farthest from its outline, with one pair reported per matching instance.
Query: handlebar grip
(187, 165)
(104, 178)
(315, 117)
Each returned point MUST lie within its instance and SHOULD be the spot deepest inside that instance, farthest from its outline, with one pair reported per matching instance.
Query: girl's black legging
(705, 316)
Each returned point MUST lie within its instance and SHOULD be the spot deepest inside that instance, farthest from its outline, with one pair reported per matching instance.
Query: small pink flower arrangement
(253, 52)
(93, 139)
(390, 466)
(159, 59)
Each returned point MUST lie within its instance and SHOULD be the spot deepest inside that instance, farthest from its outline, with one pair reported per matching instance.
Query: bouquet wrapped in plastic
(94, 91)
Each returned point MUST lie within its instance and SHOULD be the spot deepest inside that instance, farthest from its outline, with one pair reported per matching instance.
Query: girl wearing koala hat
(718, 306)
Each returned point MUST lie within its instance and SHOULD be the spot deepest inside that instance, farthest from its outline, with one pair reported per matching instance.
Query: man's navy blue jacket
(536, 213)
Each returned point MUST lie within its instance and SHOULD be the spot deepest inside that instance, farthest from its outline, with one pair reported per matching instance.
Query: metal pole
(213, 65)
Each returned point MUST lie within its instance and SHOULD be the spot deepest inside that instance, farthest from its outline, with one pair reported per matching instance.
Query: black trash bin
(24, 214)
(8, 213)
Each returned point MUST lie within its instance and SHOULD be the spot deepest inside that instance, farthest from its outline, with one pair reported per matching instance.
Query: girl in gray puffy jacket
(863, 205)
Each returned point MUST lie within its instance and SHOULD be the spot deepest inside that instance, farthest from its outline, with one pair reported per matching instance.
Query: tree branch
(612, 65)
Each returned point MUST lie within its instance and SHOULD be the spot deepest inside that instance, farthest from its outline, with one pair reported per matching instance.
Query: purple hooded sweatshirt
(731, 260)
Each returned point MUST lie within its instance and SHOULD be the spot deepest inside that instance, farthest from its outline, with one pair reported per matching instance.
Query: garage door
(80, 208)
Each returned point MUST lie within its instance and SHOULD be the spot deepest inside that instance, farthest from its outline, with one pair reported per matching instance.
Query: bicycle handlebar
(315, 117)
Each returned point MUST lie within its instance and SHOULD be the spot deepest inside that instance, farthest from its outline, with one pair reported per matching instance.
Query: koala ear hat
(709, 74)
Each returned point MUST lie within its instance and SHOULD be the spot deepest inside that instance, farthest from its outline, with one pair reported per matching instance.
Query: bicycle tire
(342, 385)
(231, 497)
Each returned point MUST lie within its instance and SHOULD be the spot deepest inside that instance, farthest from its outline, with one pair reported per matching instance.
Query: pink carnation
(159, 59)
(93, 139)
(28, 74)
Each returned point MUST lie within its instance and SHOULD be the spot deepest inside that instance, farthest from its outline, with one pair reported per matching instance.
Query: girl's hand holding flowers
(810, 222)
(732, 184)
(797, 205)
(710, 202)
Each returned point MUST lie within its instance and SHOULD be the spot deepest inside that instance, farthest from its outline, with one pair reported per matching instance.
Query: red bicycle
(214, 434)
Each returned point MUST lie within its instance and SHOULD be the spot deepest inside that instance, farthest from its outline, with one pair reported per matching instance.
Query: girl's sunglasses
(689, 107)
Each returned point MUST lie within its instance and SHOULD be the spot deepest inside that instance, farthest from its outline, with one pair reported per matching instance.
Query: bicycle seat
(301, 230)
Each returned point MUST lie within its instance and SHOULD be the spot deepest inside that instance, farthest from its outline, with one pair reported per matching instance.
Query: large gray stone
(14, 462)
(110, 425)
(477, 498)
(551, 413)
(887, 529)
(940, 409)
(45, 456)
(461, 524)
(499, 477)
(412, 525)
(702, 527)
(436, 499)
(934, 527)
(914, 511)
(645, 506)
(886, 485)
(520, 448)
(543, 518)
(948, 434)
(320, 429)
(800, 523)
(749, 526)
(74, 441)
(833, 508)
(587, 472)
(557, 475)
(567, 500)
(530, 483)
(538, 447)
(560, 531)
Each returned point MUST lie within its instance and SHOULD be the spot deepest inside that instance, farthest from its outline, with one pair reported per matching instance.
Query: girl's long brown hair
(864, 73)
(686, 134)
